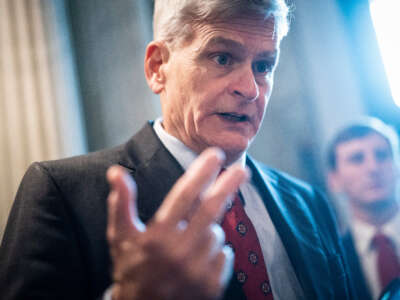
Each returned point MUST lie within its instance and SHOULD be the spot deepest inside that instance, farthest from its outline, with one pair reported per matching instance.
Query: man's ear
(156, 57)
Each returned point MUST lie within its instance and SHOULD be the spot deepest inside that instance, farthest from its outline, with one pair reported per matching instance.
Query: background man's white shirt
(363, 234)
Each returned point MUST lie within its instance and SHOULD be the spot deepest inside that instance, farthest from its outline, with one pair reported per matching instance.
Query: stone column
(40, 113)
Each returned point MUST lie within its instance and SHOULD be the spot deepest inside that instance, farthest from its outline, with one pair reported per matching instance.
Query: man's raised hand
(180, 253)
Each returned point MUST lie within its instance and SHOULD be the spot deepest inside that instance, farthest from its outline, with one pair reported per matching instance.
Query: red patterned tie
(387, 262)
(249, 265)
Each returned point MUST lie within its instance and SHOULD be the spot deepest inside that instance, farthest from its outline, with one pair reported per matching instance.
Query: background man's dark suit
(61, 207)
(356, 272)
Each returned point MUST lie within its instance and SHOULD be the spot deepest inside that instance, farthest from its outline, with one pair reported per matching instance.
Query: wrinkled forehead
(243, 38)
(257, 25)
(243, 33)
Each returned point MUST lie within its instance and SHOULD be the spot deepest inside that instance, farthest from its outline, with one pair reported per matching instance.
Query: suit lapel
(154, 169)
(356, 273)
(298, 232)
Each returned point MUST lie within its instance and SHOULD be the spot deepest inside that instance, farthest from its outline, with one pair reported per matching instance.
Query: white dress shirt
(283, 280)
(363, 234)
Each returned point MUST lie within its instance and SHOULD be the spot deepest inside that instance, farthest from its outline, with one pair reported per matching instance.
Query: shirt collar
(184, 155)
(391, 229)
(364, 232)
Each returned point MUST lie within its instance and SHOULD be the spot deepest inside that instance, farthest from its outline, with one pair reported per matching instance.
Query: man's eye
(263, 66)
(223, 59)
(357, 158)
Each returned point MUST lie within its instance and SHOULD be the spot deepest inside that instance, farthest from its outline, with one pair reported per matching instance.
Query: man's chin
(377, 195)
(377, 202)
(233, 153)
(233, 145)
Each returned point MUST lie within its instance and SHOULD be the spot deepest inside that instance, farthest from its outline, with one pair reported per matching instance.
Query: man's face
(365, 170)
(218, 85)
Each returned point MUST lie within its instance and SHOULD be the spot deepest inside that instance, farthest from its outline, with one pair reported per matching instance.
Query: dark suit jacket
(55, 247)
(361, 288)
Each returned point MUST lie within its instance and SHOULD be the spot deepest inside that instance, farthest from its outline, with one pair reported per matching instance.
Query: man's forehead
(227, 42)
(360, 144)
(242, 35)
(263, 28)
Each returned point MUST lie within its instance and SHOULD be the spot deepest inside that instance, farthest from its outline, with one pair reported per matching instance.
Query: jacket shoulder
(303, 193)
(84, 164)
(286, 183)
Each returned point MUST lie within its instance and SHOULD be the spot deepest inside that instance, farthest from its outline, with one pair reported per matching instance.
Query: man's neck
(230, 156)
(376, 215)
(183, 153)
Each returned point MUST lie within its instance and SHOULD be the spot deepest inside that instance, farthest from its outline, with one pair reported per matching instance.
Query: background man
(212, 62)
(363, 166)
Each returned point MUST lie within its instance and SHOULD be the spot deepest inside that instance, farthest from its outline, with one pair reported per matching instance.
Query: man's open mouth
(233, 117)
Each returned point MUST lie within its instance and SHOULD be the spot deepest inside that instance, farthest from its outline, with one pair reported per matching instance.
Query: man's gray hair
(173, 18)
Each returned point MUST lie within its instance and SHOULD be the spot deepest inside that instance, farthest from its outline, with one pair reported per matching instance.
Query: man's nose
(245, 84)
(372, 163)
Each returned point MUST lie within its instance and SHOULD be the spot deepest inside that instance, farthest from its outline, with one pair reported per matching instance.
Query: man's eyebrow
(273, 55)
(229, 43)
(219, 40)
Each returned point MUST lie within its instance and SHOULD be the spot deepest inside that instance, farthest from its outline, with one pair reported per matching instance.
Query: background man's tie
(387, 261)
(249, 265)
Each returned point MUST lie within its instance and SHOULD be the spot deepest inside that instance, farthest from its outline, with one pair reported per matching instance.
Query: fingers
(218, 240)
(123, 220)
(187, 191)
(221, 272)
(209, 243)
(225, 187)
(224, 264)
(214, 202)
(200, 241)
(211, 261)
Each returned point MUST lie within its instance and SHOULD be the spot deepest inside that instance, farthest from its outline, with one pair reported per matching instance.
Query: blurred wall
(40, 109)
(110, 39)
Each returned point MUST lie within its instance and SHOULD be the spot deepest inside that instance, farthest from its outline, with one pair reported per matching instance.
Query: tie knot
(380, 239)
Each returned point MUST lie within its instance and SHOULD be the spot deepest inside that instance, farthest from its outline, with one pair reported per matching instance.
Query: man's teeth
(234, 117)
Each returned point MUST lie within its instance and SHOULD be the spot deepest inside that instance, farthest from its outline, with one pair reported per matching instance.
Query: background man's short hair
(173, 18)
(360, 129)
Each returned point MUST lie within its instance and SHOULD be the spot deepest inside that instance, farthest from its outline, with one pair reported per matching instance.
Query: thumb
(123, 220)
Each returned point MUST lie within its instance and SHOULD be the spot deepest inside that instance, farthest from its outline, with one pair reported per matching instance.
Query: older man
(212, 63)
(363, 166)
